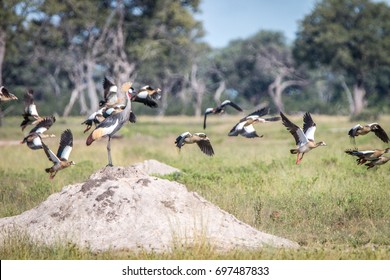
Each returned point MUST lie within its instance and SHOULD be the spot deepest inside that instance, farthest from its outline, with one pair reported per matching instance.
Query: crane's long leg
(109, 151)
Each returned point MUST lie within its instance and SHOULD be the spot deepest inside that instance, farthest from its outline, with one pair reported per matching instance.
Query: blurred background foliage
(339, 63)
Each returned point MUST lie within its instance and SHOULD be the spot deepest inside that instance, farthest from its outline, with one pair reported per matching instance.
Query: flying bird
(365, 129)
(379, 161)
(368, 155)
(200, 139)
(94, 118)
(61, 159)
(34, 138)
(30, 114)
(5, 95)
(304, 139)
(110, 95)
(245, 126)
(219, 110)
(147, 95)
(112, 123)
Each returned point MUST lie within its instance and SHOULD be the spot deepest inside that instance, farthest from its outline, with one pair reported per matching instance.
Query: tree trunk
(76, 92)
(219, 91)
(92, 94)
(349, 96)
(275, 90)
(167, 87)
(359, 102)
(2, 54)
(199, 88)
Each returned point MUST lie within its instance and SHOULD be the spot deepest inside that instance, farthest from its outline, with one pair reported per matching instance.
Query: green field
(333, 208)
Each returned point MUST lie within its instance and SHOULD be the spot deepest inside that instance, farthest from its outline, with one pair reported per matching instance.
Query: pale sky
(226, 20)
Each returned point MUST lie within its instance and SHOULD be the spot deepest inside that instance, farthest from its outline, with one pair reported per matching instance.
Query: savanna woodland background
(338, 68)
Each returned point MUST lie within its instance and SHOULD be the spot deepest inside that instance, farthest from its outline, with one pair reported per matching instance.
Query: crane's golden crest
(126, 86)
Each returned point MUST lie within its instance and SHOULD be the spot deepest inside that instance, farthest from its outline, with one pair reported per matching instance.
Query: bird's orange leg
(299, 159)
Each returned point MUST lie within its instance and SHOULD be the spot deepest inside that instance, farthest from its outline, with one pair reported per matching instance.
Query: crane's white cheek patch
(37, 142)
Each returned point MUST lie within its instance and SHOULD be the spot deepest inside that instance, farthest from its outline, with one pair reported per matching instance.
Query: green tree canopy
(351, 37)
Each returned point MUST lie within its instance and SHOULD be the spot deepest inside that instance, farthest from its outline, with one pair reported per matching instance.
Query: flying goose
(147, 96)
(368, 155)
(5, 95)
(245, 126)
(364, 129)
(219, 110)
(304, 139)
(34, 138)
(61, 159)
(200, 139)
(30, 114)
(379, 161)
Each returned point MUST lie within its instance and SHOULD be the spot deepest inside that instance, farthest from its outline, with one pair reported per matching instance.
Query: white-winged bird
(147, 95)
(30, 114)
(364, 129)
(110, 94)
(304, 139)
(61, 159)
(245, 126)
(200, 139)
(112, 123)
(94, 118)
(219, 110)
(34, 138)
(5, 95)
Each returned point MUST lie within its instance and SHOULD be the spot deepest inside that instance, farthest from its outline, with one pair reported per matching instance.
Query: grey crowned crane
(219, 110)
(367, 155)
(112, 123)
(304, 139)
(112, 104)
(34, 138)
(200, 139)
(30, 114)
(5, 95)
(61, 159)
(245, 126)
(365, 129)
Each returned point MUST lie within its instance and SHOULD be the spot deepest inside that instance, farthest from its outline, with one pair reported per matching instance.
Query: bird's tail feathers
(272, 119)
(90, 139)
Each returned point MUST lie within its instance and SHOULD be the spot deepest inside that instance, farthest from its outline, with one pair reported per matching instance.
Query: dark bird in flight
(219, 110)
(61, 159)
(200, 139)
(245, 126)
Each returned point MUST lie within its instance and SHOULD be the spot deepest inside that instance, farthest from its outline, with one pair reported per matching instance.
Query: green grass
(329, 205)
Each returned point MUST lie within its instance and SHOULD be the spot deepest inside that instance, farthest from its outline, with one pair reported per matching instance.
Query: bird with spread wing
(61, 159)
(245, 126)
(304, 139)
(200, 139)
(219, 110)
